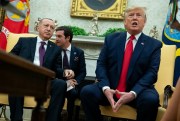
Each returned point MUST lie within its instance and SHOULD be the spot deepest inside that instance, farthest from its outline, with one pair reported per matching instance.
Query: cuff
(105, 87)
(135, 95)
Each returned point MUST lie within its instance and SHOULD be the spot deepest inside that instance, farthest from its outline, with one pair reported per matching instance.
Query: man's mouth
(134, 23)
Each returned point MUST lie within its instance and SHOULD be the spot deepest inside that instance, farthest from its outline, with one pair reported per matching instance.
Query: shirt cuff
(68, 83)
(135, 95)
(105, 87)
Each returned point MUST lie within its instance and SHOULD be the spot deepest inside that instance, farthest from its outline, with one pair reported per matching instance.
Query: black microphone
(9, 7)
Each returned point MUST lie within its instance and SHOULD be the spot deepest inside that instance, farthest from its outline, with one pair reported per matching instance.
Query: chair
(163, 86)
(165, 77)
(29, 101)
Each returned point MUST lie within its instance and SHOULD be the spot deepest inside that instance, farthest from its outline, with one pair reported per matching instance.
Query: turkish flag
(15, 23)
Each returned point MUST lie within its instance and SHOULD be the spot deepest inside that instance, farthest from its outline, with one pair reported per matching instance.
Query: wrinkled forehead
(136, 10)
(49, 21)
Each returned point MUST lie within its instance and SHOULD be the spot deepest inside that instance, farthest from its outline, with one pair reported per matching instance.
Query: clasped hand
(69, 74)
(125, 97)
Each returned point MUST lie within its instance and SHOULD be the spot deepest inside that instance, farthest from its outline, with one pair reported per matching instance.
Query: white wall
(60, 11)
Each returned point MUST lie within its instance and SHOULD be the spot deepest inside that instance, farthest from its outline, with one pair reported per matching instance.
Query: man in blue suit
(140, 76)
(29, 49)
(75, 62)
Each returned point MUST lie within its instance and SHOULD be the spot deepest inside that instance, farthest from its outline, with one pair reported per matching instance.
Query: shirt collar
(69, 48)
(137, 36)
(40, 40)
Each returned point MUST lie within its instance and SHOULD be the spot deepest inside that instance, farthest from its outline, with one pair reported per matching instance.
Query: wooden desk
(20, 77)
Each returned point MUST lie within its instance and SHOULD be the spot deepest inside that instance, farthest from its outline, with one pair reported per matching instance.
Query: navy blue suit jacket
(77, 64)
(143, 68)
(26, 47)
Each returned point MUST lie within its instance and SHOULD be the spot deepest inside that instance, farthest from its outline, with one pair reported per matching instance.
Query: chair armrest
(168, 91)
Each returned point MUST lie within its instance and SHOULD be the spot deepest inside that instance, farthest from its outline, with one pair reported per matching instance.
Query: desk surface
(21, 77)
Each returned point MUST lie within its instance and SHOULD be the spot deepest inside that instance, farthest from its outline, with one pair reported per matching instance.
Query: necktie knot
(64, 50)
(42, 43)
(132, 37)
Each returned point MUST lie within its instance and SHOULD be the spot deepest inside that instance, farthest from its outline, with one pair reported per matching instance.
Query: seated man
(73, 59)
(126, 70)
(40, 51)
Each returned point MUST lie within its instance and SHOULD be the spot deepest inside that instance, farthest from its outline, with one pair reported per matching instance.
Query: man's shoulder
(28, 38)
(152, 41)
(114, 34)
(77, 49)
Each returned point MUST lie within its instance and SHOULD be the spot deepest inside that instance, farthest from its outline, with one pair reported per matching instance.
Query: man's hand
(125, 98)
(109, 94)
(72, 82)
(69, 74)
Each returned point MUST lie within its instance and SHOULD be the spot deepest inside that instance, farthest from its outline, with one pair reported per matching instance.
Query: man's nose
(134, 16)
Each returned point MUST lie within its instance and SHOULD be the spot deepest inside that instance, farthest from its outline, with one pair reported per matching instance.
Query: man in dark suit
(75, 62)
(29, 48)
(126, 70)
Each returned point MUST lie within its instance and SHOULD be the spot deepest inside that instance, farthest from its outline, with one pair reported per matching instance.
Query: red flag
(14, 23)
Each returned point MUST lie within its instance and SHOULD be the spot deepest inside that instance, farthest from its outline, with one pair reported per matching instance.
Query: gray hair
(135, 8)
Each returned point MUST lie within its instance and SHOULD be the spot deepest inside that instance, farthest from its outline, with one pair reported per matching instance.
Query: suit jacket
(143, 68)
(77, 64)
(26, 47)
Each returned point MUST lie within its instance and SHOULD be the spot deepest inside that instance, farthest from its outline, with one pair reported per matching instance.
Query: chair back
(13, 39)
(11, 42)
(166, 69)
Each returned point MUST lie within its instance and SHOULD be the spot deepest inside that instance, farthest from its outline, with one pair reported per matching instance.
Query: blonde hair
(135, 8)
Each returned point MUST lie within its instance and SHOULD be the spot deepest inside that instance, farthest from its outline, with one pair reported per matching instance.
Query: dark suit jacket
(143, 68)
(77, 64)
(25, 48)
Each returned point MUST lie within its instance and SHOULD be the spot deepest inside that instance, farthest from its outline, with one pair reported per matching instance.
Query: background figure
(75, 63)
(40, 51)
(126, 70)
(171, 33)
(94, 28)
(173, 110)
(99, 5)
(154, 33)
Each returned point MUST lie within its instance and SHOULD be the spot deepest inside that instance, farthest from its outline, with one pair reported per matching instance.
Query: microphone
(9, 7)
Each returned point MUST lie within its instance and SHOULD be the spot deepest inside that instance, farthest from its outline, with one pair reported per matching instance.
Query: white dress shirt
(36, 56)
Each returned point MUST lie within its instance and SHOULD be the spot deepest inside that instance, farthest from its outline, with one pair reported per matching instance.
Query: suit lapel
(137, 51)
(33, 47)
(48, 50)
(72, 55)
(120, 50)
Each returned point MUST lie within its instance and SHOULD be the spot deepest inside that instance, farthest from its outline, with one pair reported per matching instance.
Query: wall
(60, 11)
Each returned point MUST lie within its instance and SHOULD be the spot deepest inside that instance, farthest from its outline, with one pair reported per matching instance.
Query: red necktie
(126, 61)
(41, 53)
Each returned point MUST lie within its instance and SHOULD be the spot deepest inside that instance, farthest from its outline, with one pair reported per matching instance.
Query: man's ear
(68, 38)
